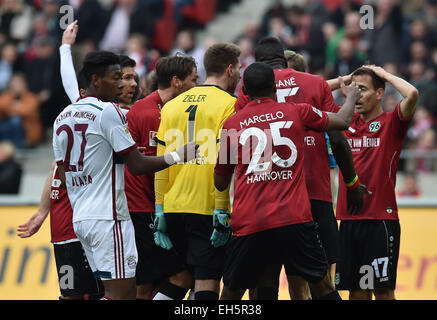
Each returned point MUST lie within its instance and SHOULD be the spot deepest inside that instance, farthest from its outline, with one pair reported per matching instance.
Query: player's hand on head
(355, 199)
(69, 35)
(222, 228)
(379, 71)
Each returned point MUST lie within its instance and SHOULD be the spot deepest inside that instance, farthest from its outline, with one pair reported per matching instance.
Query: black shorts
(71, 260)
(190, 234)
(296, 246)
(154, 263)
(323, 215)
(369, 246)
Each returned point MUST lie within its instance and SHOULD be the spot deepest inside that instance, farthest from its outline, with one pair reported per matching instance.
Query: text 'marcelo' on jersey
(264, 143)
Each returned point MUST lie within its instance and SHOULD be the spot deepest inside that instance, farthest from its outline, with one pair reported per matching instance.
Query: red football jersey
(376, 146)
(143, 122)
(301, 87)
(61, 213)
(266, 150)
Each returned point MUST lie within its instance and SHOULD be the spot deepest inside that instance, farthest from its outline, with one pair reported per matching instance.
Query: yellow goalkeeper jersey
(197, 114)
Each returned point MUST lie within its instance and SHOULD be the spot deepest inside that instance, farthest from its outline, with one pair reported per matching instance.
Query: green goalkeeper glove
(222, 228)
(160, 235)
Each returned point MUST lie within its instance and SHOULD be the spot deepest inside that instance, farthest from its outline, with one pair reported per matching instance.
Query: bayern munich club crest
(131, 262)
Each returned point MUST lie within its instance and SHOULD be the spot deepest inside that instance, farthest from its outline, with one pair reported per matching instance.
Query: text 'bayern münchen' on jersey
(270, 189)
(89, 138)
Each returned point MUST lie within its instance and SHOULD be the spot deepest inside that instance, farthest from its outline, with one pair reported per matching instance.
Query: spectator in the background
(92, 20)
(347, 60)
(278, 29)
(308, 36)
(250, 31)
(8, 59)
(15, 19)
(338, 16)
(19, 114)
(418, 52)
(352, 31)
(418, 31)
(425, 144)
(422, 121)
(145, 58)
(118, 29)
(383, 41)
(410, 186)
(10, 170)
(186, 45)
(51, 18)
(430, 13)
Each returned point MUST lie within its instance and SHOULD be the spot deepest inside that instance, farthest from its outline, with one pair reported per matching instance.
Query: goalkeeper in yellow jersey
(191, 216)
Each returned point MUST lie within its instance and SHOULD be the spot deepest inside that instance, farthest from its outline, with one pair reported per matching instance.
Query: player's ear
(176, 82)
(379, 94)
(230, 70)
(96, 81)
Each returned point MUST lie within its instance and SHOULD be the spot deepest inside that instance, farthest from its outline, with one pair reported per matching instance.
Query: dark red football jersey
(61, 213)
(376, 146)
(301, 87)
(143, 122)
(264, 143)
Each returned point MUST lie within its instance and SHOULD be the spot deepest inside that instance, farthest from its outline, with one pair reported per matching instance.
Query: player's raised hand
(69, 35)
(355, 199)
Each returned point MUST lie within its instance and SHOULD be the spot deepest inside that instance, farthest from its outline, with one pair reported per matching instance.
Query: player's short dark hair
(259, 80)
(125, 61)
(81, 80)
(268, 49)
(97, 63)
(168, 67)
(295, 60)
(376, 81)
(219, 56)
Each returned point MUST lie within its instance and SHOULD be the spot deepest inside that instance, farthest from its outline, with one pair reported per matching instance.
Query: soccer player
(90, 142)
(271, 219)
(175, 75)
(372, 236)
(67, 248)
(301, 87)
(190, 214)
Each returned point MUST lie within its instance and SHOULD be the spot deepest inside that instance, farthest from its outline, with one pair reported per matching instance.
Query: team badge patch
(131, 262)
(374, 126)
(389, 210)
(152, 141)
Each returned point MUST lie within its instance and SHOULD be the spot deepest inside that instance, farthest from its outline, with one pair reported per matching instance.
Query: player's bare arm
(35, 222)
(335, 84)
(139, 164)
(408, 91)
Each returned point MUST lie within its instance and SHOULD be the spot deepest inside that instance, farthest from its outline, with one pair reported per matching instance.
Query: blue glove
(222, 228)
(160, 235)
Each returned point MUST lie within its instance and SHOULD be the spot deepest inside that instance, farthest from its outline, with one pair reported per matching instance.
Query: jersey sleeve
(311, 117)
(399, 123)
(68, 75)
(60, 143)
(115, 129)
(328, 103)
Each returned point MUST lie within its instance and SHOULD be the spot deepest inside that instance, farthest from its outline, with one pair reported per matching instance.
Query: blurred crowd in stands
(326, 32)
